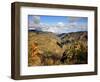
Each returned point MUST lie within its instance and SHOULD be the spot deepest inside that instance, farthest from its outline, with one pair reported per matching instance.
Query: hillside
(72, 37)
(47, 48)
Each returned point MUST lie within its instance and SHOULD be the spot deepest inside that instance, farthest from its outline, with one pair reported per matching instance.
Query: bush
(75, 53)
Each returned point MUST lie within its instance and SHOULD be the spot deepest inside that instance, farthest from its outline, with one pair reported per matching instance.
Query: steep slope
(46, 42)
(74, 36)
(75, 46)
(47, 48)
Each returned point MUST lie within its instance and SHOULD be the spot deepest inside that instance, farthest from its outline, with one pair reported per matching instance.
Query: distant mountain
(63, 38)
(74, 36)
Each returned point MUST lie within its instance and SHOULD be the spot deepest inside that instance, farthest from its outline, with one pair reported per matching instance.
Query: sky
(57, 24)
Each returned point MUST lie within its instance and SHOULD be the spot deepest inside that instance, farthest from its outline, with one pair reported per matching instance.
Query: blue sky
(58, 24)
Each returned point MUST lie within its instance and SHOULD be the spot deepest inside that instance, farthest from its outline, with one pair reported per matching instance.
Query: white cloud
(60, 27)
(73, 19)
(36, 19)
(60, 24)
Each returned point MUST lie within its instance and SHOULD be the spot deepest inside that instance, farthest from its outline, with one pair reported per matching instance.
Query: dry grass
(44, 50)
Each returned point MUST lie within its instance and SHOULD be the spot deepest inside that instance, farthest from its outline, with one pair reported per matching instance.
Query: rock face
(47, 48)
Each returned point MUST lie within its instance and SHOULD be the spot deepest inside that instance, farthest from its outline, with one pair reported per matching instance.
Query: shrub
(76, 53)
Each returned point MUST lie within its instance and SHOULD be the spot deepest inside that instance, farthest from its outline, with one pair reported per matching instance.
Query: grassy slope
(46, 48)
